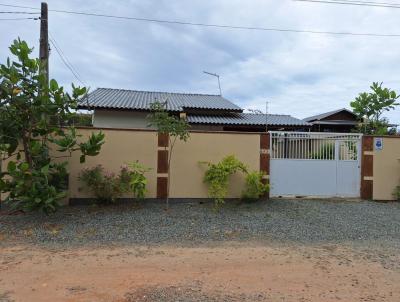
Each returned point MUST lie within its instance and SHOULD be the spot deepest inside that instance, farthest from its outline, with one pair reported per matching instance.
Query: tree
(174, 127)
(371, 106)
(35, 133)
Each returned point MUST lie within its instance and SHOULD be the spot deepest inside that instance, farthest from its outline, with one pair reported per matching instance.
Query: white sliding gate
(315, 164)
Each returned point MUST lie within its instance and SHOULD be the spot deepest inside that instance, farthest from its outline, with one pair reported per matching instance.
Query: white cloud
(299, 74)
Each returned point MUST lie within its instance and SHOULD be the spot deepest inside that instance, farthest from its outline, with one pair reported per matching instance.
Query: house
(119, 108)
(341, 120)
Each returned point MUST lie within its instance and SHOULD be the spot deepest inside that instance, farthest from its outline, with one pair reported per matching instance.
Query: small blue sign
(378, 143)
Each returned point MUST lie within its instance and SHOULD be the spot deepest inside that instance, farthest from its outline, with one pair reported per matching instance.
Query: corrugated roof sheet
(326, 114)
(247, 119)
(141, 100)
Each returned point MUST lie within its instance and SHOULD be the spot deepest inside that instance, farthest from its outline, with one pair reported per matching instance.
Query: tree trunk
(28, 156)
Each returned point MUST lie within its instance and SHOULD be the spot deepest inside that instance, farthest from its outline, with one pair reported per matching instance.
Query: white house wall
(120, 119)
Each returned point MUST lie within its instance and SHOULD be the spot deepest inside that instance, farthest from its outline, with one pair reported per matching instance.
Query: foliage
(255, 188)
(381, 127)
(371, 106)
(217, 177)
(171, 125)
(325, 151)
(166, 123)
(108, 186)
(396, 193)
(137, 180)
(38, 189)
(80, 120)
(32, 115)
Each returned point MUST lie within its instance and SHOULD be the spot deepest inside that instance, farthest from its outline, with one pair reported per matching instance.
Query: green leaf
(11, 167)
(45, 169)
(53, 85)
(24, 166)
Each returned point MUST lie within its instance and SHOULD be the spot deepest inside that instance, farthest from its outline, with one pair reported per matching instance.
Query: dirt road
(223, 273)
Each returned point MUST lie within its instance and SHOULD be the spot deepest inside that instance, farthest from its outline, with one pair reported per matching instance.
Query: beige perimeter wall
(187, 173)
(386, 169)
(123, 146)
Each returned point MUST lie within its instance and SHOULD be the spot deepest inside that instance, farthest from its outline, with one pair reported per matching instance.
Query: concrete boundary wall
(150, 149)
(380, 167)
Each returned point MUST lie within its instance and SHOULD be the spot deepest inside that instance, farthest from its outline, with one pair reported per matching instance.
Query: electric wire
(273, 29)
(65, 61)
(354, 3)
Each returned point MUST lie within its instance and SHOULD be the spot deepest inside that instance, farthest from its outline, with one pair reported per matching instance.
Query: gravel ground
(274, 221)
(185, 293)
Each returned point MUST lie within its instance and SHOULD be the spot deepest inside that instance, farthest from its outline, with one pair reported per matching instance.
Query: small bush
(108, 186)
(137, 181)
(396, 193)
(255, 188)
(217, 177)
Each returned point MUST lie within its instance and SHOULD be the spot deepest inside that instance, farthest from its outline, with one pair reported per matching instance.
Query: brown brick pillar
(367, 167)
(162, 165)
(264, 157)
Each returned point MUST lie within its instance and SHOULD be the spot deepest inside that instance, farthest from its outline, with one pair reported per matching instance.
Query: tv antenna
(217, 76)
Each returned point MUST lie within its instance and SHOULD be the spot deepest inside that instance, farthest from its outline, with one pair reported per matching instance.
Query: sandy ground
(223, 273)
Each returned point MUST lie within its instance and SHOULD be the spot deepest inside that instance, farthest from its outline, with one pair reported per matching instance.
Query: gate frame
(362, 186)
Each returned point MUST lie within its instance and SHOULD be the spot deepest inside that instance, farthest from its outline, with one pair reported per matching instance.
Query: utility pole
(44, 42)
(266, 116)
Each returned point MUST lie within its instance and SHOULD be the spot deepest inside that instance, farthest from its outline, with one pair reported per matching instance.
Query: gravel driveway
(274, 221)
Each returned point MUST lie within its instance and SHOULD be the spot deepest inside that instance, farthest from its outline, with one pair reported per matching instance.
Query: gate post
(265, 158)
(367, 167)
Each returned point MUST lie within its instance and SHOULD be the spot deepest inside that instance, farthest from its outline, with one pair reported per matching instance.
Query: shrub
(35, 121)
(108, 186)
(137, 181)
(217, 177)
(255, 188)
(396, 193)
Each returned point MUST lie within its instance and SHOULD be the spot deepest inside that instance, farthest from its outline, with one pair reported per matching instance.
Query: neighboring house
(118, 108)
(341, 120)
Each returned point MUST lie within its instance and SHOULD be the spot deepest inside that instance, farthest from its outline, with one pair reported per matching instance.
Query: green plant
(255, 187)
(370, 106)
(34, 117)
(108, 186)
(396, 193)
(325, 151)
(137, 181)
(39, 189)
(174, 127)
(217, 177)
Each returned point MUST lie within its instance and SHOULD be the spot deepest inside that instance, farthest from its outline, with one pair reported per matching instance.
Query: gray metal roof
(247, 119)
(141, 100)
(326, 114)
(347, 123)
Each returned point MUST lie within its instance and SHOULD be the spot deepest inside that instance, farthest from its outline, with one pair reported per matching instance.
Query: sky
(299, 74)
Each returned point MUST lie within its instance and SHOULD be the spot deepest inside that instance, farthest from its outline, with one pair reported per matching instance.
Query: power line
(354, 3)
(373, 2)
(17, 19)
(65, 61)
(19, 6)
(26, 13)
(65, 57)
(274, 29)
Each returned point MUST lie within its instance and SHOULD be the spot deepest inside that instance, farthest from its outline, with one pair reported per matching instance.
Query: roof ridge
(277, 114)
(166, 92)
